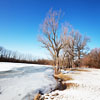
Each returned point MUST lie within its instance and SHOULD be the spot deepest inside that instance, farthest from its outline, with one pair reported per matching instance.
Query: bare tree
(92, 59)
(73, 44)
(76, 46)
(81, 46)
(51, 39)
(69, 47)
(1, 49)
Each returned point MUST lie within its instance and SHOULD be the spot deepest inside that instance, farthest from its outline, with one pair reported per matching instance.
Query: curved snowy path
(23, 81)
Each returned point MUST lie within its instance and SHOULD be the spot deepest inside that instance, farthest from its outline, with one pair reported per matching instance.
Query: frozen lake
(23, 81)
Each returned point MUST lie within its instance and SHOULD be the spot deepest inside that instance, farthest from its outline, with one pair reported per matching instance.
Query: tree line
(92, 59)
(12, 56)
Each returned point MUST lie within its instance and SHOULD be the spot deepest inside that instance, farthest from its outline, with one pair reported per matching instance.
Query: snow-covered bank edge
(61, 78)
(44, 90)
(49, 82)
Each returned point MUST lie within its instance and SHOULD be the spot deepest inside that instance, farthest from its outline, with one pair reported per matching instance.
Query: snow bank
(23, 81)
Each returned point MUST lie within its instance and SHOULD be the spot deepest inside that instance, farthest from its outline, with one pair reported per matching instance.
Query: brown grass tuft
(56, 94)
(63, 77)
(37, 97)
(70, 85)
(52, 97)
(84, 70)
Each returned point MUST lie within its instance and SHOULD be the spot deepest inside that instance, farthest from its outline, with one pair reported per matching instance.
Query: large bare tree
(50, 38)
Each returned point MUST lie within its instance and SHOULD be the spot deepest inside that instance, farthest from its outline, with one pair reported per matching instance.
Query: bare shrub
(92, 59)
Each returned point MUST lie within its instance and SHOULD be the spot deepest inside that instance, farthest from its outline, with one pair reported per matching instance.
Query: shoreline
(60, 78)
(86, 87)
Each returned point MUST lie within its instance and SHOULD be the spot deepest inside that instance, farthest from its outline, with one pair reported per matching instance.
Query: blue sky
(20, 20)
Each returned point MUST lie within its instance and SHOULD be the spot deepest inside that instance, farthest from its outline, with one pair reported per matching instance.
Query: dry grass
(70, 85)
(56, 94)
(84, 70)
(37, 97)
(68, 69)
(63, 77)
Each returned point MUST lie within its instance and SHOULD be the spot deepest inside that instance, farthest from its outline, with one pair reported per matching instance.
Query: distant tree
(2, 52)
(1, 48)
(92, 59)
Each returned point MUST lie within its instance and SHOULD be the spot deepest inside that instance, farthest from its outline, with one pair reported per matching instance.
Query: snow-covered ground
(22, 81)
(88, 89)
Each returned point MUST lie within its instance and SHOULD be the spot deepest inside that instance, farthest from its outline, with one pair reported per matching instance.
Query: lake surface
(23, 81)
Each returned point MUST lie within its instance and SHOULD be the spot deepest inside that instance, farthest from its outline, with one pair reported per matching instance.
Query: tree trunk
(73, 65)
(57, 68)
(79, 58)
